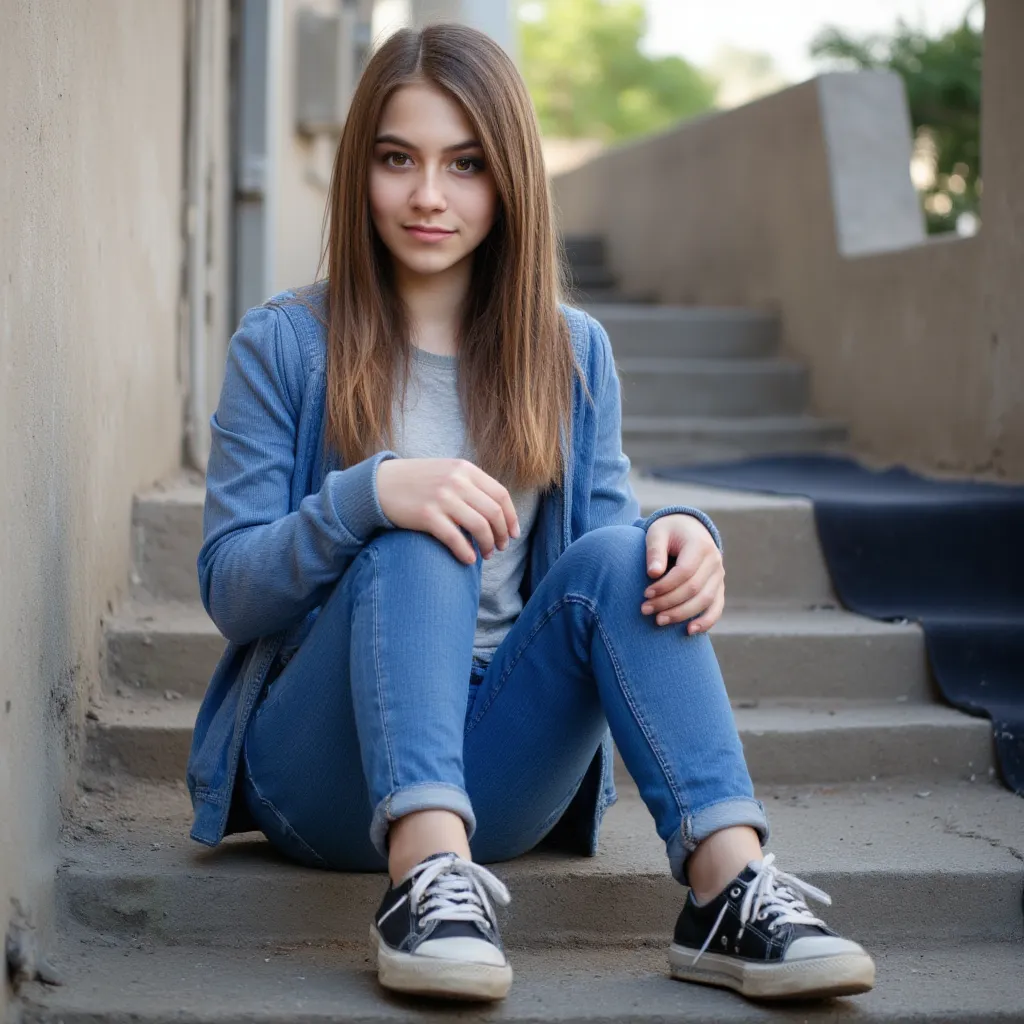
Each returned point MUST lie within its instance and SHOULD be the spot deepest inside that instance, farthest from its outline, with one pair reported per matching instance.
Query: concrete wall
(495, 17)
(801, 203)
(90, 401)
(302, 166)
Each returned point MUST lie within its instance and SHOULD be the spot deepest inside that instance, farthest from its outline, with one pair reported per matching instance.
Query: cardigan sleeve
(612, 499)
(262, 568)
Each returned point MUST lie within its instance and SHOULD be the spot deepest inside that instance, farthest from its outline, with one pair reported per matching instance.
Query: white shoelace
(772, 893)
(453, 889)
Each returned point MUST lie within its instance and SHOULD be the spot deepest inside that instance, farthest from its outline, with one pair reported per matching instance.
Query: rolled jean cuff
(697, 826)
(425, 796)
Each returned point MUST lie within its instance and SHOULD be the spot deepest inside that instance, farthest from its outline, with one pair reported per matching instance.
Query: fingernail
(654, 567)
(647, 608)
(649, 592)
(515, 531)
(694, 629)
(662, 619)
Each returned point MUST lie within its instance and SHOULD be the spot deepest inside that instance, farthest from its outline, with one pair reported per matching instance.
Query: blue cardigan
(283, 521)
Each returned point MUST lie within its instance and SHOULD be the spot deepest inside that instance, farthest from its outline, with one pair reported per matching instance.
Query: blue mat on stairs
(948, 554)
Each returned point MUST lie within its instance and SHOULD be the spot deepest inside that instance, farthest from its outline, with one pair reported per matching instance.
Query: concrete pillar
(495, 17)
(1002, 223)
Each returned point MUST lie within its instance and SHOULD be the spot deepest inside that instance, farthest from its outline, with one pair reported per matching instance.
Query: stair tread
(777, 716)
(158, 616)
(824, 831)
(650, 491)
(647, 489)
(695, 314)
(181, 487)
(191, 618)
(725, 424)
(654, 493)
(735, 366)
(897, 865)
(324, 982)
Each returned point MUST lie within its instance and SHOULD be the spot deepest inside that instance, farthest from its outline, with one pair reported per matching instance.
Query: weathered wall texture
(302, 167)
(919, 347)
(90, 404)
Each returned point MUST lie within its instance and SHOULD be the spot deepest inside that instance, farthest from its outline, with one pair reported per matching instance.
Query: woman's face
(428, 172)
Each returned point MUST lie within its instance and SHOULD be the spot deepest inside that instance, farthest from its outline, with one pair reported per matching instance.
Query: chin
(425, 265)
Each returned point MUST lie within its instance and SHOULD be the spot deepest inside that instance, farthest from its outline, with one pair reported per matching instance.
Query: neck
(434, 303)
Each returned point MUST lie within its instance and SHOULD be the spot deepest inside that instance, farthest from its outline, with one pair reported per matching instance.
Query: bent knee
(399, 547)
(609, 549)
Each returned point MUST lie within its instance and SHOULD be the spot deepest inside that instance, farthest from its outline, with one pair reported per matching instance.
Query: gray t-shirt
(431, 426)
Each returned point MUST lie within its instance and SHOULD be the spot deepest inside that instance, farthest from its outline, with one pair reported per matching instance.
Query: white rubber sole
(442, 979)
(846, 974)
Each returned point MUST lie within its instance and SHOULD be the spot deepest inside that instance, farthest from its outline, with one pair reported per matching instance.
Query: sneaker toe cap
(463, 949)
(810, 947)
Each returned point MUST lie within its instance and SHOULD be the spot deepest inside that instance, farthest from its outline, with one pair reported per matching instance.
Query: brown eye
(392, 158)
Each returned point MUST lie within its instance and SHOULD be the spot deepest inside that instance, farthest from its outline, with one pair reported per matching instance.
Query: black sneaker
(436, 934)
(759, 938)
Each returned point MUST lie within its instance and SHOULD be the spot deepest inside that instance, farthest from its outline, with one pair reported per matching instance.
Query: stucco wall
(90, 405)
(801, 203)
(302, 167)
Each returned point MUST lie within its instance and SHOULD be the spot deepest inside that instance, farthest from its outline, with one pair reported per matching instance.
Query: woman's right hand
(438, 496)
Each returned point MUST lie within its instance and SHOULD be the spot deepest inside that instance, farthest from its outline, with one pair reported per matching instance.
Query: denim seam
(249, 695)
(281, 819)
(268, 700)
(372, 553)
(627, 693)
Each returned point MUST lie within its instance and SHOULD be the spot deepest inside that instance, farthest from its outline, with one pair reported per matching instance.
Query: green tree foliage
(589, 78)
(943, 82)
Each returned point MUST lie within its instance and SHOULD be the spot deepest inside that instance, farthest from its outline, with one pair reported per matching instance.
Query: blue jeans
(375, 715)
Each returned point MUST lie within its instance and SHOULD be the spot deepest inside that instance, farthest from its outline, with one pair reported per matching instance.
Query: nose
(427, 193)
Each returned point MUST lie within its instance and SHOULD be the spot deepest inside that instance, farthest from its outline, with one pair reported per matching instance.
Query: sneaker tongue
(426, 860)
(749, 873)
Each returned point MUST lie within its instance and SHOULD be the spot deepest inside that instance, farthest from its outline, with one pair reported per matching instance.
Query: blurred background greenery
(592, 79)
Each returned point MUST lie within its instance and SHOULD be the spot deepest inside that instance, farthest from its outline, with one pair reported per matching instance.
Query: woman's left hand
(694, 588)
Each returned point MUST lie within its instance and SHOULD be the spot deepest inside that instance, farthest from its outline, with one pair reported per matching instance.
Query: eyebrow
(396, 141)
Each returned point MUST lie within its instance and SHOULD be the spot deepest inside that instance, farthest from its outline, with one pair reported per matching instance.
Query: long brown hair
(516, 362)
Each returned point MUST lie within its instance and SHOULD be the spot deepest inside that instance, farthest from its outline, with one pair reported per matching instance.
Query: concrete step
(678, 440)
(772, 545)
(593, 295)
(592, 275)
(901, 864)
(826, 741)
(765, 653)
(120, 983)
(711, 387)
(688, 331)
(772, 554)
(584, 249)
(167, 532)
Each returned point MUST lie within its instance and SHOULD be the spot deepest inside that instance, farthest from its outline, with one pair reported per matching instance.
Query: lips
(422, 230)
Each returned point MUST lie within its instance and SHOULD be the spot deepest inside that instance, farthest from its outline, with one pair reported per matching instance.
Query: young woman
(422, 545)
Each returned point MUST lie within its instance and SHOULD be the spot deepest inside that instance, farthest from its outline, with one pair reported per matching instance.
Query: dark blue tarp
(946, 553)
